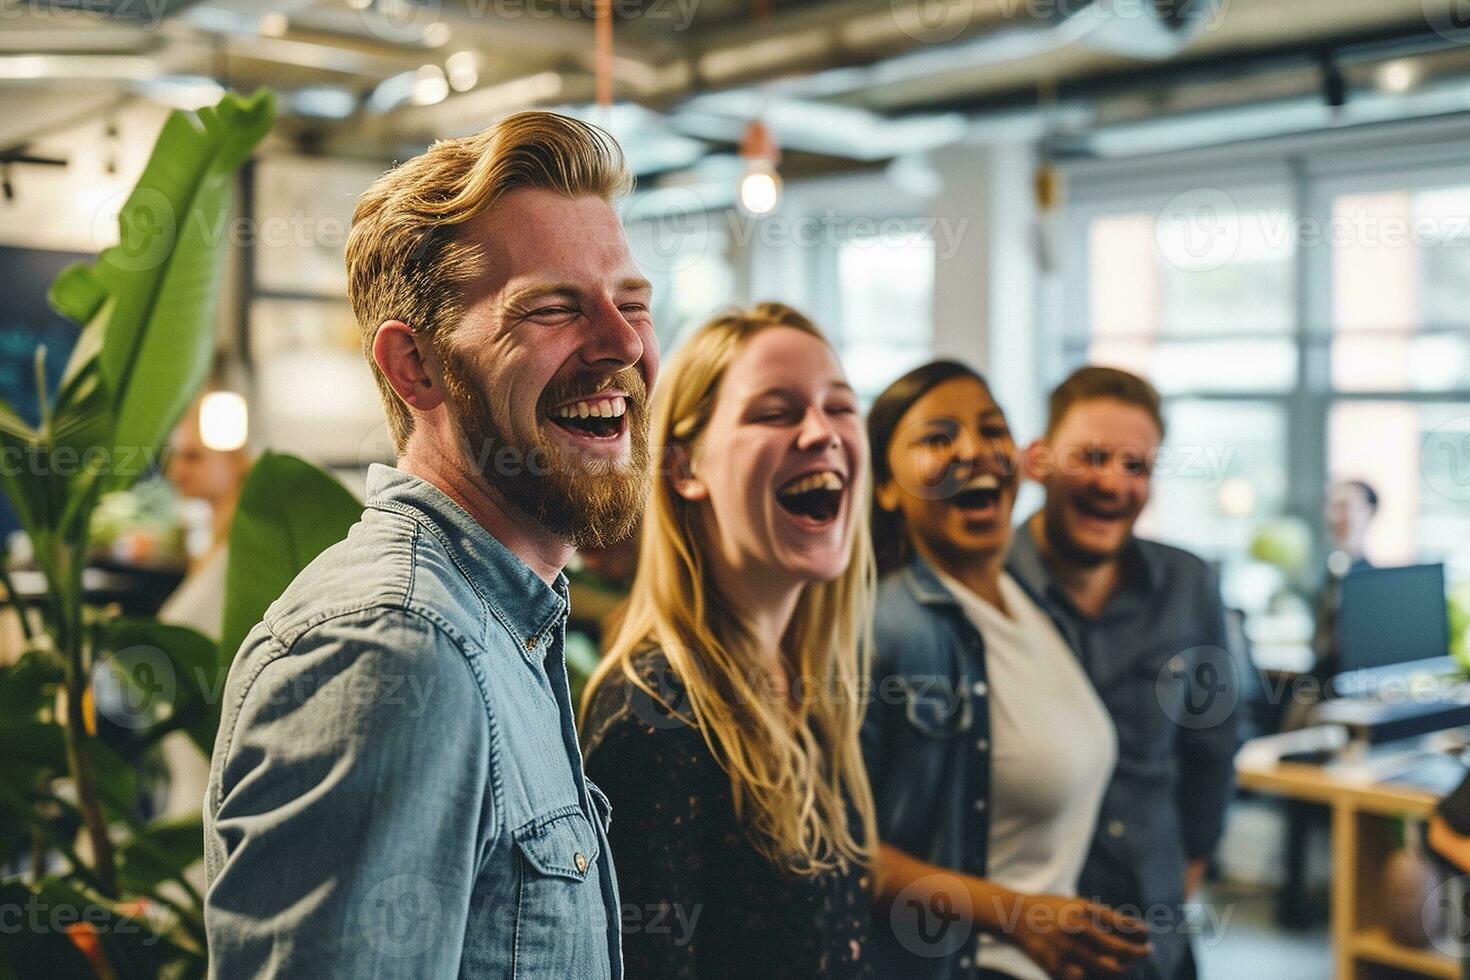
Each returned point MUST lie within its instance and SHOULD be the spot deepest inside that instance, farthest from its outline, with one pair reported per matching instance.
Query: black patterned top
(698, 900)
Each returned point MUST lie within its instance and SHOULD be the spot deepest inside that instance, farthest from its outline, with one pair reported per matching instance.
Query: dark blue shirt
(1159, 659)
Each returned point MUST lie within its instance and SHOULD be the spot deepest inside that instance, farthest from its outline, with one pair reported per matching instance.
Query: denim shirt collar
(524, 604)
(924, 583)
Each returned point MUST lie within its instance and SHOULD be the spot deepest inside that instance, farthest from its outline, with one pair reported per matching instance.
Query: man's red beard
(590, 501)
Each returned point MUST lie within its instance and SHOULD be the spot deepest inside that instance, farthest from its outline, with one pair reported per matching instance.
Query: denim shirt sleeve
(350, 806)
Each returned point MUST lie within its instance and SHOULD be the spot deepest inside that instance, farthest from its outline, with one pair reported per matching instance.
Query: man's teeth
(817, 481)
(987, 481)
(603, 408)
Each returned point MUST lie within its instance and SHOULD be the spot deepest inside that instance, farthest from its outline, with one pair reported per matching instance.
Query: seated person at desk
(1350, 507)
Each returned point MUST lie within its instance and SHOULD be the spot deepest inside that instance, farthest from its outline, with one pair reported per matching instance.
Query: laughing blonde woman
(724, 723)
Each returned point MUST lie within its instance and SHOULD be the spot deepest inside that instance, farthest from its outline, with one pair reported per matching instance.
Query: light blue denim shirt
(397, 790)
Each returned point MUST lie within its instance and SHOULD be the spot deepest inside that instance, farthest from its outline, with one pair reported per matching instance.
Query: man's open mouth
(980, 493)
(816, 497)
(1100, 512)
(598, 417)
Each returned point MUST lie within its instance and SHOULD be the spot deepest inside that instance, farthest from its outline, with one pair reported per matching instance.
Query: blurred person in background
(1147, 624)
(723, 724)
(1348, 512)
(214, 478)
(986, 745)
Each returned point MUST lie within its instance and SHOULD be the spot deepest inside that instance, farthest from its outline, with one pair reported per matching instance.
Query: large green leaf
(289, 513)
(38, 948)
(18, 443)
(132, 947)
(28, 686)
(194, 679)
(160, 852)
(149, 302)
(36, 744)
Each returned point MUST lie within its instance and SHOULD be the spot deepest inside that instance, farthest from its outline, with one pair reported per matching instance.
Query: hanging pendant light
(760, 184)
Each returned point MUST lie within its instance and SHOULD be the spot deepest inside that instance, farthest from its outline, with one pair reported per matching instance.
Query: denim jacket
(926, 743)
(396, 790)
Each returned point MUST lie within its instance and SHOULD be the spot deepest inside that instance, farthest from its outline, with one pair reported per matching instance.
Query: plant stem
(71, 640)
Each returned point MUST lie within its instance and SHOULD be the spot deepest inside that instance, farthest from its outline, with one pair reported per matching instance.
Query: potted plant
(96, 891)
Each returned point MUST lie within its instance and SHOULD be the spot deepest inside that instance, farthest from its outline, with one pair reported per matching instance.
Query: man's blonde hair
(405, 260)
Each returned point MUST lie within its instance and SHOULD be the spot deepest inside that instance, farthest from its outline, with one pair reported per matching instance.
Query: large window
(885, 290)
(1310, 324)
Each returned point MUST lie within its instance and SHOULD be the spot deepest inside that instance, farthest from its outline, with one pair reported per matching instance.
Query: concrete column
(987, 275)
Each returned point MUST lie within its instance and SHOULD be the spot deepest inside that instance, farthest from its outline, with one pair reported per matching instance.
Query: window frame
(1314, 169)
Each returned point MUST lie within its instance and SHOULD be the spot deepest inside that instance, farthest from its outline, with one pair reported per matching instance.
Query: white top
(1053, 748)
(198, 603)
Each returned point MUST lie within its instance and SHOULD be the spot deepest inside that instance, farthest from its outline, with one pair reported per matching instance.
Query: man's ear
(1036, 461)
(407, 361)
(681, 474)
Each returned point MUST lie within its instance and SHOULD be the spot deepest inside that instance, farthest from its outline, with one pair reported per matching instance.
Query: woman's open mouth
(979, 497)
(813, 500)
(599, 418)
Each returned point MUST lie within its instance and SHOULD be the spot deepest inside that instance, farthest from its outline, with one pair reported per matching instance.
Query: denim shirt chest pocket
(937, 708)
(558, 885)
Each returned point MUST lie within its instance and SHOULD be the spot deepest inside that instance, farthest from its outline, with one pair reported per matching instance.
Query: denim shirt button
(983, 744)
(1116, 828)
(581, 860)
(980, 806)
(980, 688)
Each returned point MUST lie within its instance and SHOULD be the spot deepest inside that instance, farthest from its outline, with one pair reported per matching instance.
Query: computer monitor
(1390, 616)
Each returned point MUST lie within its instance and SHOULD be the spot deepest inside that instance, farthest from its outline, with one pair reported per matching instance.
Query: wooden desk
(1362, 840)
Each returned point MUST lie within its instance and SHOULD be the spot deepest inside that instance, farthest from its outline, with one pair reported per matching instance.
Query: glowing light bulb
(760, 188)
(224, 421)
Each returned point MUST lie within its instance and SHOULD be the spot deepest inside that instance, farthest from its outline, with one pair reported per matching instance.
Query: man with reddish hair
(1146, 621)
(397, 789)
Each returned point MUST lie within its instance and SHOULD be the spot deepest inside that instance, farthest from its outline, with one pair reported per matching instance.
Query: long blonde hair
(789, 781)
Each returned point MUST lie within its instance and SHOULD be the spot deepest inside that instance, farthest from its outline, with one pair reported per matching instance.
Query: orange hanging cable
(604, 60)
